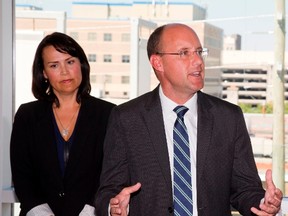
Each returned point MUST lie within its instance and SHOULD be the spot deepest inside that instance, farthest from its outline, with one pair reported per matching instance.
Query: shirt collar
(168, 105)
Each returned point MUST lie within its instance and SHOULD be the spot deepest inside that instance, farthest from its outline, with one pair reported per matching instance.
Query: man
(144, 135)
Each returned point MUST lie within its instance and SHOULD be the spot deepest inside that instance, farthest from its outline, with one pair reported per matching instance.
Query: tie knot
(180, 111)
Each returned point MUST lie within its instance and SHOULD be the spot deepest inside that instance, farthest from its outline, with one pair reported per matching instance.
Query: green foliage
(259, 108)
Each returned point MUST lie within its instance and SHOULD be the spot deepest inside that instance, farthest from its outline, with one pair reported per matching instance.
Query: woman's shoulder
(91, 100)
(32, 111)
(35, 107)
(37, 104)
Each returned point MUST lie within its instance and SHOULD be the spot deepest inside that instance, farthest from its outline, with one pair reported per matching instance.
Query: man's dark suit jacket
(135, 150)
(35, 168)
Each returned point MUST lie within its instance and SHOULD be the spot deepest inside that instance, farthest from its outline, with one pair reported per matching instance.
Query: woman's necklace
(65, 130)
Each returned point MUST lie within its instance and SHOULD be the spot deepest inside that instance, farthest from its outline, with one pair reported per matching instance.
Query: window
(107, 58)
(125, 58)
(108, 79)
(125, 37)
(92, 31)
(107, 37)
(92, 36)
(125, 79)
(92, 57)
(93, 78)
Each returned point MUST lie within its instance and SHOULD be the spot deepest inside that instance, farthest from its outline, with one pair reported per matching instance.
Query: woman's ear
(45, 75)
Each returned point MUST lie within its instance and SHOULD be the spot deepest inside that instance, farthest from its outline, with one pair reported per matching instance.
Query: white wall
(25, 51)
(6, 106)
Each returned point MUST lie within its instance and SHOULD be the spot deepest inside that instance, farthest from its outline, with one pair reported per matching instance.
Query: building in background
(156, 10)
(103, 29)
(250, 73)
(232, 42)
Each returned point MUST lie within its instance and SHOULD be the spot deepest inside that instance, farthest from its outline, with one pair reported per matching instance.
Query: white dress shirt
(190, 120)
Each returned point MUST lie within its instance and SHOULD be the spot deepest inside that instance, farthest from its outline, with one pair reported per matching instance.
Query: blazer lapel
(82, 128)
(47, 140)
(154, 120)
(204, 132)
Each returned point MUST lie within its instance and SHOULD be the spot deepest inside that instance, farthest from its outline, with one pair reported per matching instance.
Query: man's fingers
(114, 201)
(131, 189)
(278, 194)
(269, 180)
(115, 211)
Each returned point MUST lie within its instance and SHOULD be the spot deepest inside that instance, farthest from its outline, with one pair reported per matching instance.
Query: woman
(57, 141)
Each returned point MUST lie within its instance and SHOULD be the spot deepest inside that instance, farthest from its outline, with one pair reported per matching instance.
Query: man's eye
(185, 53)
(199, 52)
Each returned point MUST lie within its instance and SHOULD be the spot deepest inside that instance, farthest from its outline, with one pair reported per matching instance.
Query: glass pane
(240, 36)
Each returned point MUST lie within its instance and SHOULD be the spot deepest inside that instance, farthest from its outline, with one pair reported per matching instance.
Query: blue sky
(252, 19)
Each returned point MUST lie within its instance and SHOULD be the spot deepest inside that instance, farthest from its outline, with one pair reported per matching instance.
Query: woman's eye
(53, 66)
(71, 61)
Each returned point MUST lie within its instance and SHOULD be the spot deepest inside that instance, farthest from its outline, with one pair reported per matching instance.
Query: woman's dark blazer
(35, 167)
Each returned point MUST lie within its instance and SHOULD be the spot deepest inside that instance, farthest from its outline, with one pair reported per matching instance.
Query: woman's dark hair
(154, 41)
(62, 43)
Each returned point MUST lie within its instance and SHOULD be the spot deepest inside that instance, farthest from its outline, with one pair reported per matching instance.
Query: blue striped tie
(183, 204)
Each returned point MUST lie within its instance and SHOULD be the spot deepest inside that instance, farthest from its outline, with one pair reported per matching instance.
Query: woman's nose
(63, 70)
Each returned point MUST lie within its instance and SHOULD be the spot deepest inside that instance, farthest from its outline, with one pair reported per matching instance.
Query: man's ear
(156, 62)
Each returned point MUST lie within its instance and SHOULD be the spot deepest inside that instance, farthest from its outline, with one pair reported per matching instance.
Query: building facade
(103, 29)
(249, 76)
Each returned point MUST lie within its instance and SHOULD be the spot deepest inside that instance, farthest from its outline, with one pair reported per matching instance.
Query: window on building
(74, 35)
(92, 57)
(125, 37)
(93, 78)
(108, 79)
(107, 37)
(125, 58)
(107, 58)
(125, 79)
(92, 36)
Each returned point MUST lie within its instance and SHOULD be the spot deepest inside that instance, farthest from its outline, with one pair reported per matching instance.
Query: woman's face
(62, 70)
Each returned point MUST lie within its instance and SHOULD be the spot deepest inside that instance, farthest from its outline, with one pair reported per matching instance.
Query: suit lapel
(153, 117)
(204, 132)
(154, 122)
(47, 140)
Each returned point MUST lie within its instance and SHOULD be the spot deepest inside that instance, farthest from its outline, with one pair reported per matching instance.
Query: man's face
(181, 76)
